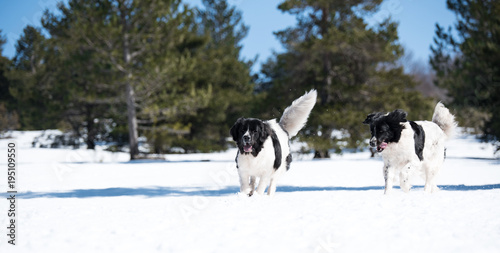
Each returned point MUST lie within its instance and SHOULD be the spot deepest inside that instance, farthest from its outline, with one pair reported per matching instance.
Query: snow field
(96, 201)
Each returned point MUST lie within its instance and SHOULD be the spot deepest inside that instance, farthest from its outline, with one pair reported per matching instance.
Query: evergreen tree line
(466, 59)
(114, 70)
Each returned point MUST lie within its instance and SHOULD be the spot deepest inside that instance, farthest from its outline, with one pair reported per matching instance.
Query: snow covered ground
(97, 201)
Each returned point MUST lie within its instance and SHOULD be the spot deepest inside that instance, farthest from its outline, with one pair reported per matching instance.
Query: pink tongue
(383, 145)
(247, 148)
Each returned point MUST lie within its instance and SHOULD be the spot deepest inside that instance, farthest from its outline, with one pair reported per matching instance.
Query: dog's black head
(250, 134)
(385, 128)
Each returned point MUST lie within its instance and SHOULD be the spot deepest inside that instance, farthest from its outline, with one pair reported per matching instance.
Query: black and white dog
(264, 150)
(411, 146)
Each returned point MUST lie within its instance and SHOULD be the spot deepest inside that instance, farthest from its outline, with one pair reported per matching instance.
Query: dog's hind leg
(404, 181)
(272, 187)
(404, 177)
(430, 179)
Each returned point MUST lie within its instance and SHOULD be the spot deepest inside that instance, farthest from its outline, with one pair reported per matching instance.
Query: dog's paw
(246, 192)
(431, 189)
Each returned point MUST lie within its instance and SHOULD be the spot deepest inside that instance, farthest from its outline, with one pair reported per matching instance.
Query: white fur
(400, 158)
(295, 116)
(250, 168)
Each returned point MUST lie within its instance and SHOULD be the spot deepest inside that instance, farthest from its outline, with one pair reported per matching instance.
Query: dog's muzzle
(375, 144)
(246, 139)
(247, 145)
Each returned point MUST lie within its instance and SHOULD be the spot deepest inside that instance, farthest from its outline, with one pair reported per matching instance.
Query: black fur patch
(372, 117)
(288, 161)
(394, 120)
(236, 160)
(277, 150)
(419, 137)
(386, 128)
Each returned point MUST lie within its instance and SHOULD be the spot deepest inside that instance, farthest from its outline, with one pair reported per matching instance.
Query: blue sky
(417, 19)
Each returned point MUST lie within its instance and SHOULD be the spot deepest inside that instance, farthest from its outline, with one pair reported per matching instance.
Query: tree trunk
(321, 154)
(90, 143)
(91, 127)
(132, 122)
(325, 91)
(324, 153)
(130, 96)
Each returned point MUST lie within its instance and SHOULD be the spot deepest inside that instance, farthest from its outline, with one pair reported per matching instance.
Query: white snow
(97, 201)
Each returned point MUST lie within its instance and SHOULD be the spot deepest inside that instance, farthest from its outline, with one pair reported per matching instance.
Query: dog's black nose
(246, 138)
(373, 142)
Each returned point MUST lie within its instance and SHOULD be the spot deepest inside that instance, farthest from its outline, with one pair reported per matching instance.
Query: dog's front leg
(263, 183)
(404, 178)
(389, 178)
(252, 185)
(245, 186)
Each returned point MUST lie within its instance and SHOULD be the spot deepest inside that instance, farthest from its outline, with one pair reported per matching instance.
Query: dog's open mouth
(381, 147)
(247, 148)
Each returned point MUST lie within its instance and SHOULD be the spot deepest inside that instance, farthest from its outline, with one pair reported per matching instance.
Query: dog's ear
(397, 116)
(265, 131)
(235, 129)
(371, 117)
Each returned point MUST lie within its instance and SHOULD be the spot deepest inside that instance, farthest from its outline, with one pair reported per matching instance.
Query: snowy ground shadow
(176, 161)
(123, 192)
(186, 191)
(460, 187)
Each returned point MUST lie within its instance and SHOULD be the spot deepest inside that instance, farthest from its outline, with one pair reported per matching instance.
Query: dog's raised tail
(295, 116)
(444, 119)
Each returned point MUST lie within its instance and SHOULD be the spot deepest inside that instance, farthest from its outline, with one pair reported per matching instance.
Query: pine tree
(5, 96)
(148, 45)
(220, 67)
(9, 119)
(352, 66)
(26, 81)
(469, 66)
(81, 87)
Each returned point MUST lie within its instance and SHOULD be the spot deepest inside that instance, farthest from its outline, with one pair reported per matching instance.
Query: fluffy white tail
(444, 119)
(295, 116)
